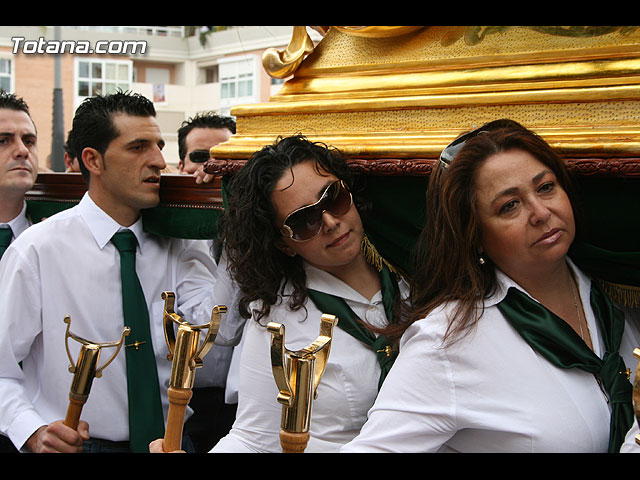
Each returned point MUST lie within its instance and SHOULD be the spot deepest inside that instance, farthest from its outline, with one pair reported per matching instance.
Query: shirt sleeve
(21, 313)
(222, 290)
(630, 445)
(258, 417)
(415, 410)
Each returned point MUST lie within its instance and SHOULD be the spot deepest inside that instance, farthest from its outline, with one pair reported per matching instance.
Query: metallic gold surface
(384, 92)
(377, 31)
(298, 373)
(185, 350)
(86, 367)
(282, 64)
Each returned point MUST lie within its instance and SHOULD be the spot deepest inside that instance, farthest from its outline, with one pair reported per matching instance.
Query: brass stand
(297, 375)
(85, 370)
(186, 356)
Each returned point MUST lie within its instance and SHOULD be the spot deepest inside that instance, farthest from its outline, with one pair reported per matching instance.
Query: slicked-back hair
(248, 227)
(447, 267)
(10, 101)
(202, 120)
(93, 124)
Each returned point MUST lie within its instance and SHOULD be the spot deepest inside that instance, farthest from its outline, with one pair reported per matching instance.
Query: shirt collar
(323, 281)
(20, 223)
(504, 282)
(102, 226)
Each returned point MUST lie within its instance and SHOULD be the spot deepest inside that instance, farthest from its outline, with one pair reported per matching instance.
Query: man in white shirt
(18, 171)
(67, 265)
(213, 417)
(18, 163)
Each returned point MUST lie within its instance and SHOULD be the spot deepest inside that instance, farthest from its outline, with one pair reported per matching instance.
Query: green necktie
(146, 420)
(555, 340)
(5, 239)
(349, 322)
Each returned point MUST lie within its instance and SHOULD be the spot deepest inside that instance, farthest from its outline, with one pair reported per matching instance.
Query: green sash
(555, 340)
(347, 320)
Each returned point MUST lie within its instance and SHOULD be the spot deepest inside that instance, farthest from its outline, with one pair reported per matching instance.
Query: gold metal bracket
(184, 352)
(86, 367)
(298, 373)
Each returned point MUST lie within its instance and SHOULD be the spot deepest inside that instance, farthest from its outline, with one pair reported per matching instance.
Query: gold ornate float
(405, 92)
(391, 97)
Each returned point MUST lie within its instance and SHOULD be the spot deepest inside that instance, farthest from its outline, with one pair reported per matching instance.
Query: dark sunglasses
(199, 156)
(306, 222)
(451, 150)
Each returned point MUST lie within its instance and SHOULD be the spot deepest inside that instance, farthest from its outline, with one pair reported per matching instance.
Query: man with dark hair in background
(197, 135)
(213, 417)
(18, 171)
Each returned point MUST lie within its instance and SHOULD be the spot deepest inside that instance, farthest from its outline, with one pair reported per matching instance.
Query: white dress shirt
(347, 388)
(220, 367)
(216, 363)
(489, 392)
(66, 265)
(630, 445)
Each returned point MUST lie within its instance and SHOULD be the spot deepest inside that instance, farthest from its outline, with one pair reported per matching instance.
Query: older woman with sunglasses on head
(507, 345)
(296, 248)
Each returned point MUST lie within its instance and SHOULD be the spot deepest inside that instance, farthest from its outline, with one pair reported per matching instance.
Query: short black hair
(93, 122)
(202, 120)
(12, 102)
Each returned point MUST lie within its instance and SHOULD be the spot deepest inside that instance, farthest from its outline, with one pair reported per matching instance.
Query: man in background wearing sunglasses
(197, 135)
(212, 417)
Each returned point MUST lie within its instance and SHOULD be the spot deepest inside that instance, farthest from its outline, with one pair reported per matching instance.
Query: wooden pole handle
(76, 402)
(178, 401)
(293, 442)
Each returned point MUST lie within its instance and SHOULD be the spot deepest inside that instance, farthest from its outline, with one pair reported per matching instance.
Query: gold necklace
(575, 302)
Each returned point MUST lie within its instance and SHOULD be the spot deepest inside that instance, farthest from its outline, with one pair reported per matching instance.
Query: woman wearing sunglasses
(508, 346)
(296, 248)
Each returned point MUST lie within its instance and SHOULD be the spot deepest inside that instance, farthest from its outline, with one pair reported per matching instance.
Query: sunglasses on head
(306, 222)
(451, 150)
(199, 156)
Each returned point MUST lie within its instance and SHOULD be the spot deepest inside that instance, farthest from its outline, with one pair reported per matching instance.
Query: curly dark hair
(248, 230)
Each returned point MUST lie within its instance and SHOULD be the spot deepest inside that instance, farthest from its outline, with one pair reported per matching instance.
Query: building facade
(183, 70)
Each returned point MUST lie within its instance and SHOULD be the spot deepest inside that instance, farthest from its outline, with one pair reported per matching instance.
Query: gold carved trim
(384, 93)
(402, 81)
(592, 167)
